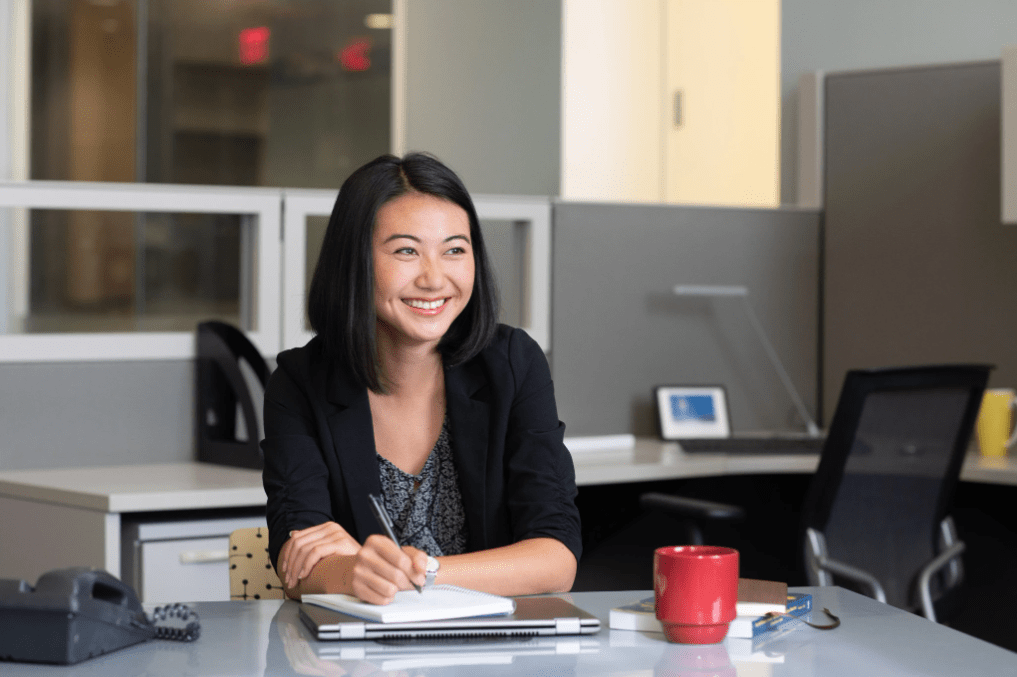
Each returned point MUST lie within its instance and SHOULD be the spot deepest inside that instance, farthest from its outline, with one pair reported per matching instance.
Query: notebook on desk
(756, 443)
(533, 616)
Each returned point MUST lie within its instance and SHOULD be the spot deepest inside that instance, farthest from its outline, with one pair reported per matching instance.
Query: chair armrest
(691, 507)
(854, 573)
(925, 578)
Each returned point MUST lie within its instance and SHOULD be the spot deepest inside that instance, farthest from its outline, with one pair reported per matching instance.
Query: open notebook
(435, 603)
(533, 616)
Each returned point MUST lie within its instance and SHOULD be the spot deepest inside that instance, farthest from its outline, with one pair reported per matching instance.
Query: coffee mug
(696, 590)
(994, 421)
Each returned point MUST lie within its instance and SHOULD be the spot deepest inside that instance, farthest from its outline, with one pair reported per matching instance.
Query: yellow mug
(994, 421)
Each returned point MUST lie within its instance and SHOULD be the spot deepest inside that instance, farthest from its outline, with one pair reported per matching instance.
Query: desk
(651, 459)
(105, 517)
(267, 638)
(93, 516)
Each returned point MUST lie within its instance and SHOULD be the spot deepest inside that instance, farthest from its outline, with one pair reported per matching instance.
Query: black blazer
(515, 474)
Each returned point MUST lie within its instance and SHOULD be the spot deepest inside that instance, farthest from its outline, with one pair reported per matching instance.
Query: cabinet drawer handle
(204, 556)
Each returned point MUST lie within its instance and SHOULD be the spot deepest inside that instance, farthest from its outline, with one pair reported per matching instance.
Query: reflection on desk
(267, 638)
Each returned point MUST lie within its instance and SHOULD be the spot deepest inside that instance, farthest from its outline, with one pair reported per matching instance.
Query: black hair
(340, 304)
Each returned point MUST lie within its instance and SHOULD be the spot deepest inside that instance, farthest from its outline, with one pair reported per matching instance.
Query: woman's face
(423, 267)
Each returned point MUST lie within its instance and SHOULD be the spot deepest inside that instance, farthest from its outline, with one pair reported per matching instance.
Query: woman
(412, 391)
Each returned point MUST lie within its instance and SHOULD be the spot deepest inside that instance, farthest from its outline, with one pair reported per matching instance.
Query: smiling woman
(411, 390)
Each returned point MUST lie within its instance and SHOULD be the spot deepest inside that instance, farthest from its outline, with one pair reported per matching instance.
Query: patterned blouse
(427, 509)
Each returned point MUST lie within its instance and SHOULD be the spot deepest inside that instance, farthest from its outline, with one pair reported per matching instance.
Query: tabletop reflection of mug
(994, 421)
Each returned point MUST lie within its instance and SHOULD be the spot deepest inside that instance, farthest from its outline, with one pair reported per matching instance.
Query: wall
(918, 267)
(483, 91)
(618, 330)
(96, 413)
(832, 35)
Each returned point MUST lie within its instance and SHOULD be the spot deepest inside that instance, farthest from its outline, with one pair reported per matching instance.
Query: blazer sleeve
(295, 474)
(541, 479)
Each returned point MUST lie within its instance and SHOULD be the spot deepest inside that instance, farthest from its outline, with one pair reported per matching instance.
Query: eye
(409, 251)
(456, 250)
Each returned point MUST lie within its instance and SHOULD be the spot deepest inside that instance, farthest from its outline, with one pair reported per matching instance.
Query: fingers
(382, 569)
(306, 547)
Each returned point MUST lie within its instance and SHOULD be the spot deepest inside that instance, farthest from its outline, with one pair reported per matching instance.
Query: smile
(425, 305)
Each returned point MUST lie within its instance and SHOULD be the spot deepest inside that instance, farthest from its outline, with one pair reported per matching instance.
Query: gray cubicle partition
(618, 330)
(918, 268)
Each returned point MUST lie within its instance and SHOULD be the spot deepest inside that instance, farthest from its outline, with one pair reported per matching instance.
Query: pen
(385, 521)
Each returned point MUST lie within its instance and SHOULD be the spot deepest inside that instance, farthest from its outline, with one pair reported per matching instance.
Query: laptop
(534, 616)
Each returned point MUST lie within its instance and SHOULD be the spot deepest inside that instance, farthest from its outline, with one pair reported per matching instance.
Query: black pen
(385, 521)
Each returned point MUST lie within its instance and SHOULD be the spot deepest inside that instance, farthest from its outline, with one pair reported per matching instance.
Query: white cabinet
(180, 561)
(672, 101)
(162, 528)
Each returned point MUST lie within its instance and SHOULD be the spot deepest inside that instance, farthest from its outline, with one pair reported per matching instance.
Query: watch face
(432, 565)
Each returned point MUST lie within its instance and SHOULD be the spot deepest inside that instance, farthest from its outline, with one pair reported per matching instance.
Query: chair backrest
(889, 466)
(251, 572)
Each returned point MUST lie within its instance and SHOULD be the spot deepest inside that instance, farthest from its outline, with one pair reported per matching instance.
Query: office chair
(251, 572)
(876, 514)
(692, 511)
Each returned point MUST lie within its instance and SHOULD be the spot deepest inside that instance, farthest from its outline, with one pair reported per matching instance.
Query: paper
(438, 602)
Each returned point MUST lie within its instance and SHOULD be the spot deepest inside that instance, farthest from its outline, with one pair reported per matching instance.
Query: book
(642, 616)
(438, 602)
(755, 598)
(755, 627)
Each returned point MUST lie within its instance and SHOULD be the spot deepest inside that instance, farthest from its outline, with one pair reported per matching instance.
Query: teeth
(425, 305)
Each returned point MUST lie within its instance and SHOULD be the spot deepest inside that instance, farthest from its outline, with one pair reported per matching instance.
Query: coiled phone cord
(192, 625)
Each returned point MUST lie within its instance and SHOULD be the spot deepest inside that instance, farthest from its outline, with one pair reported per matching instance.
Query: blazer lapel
(353, 440)
(468, 412)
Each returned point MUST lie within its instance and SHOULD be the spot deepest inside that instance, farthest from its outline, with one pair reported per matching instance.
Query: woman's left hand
(307, 547)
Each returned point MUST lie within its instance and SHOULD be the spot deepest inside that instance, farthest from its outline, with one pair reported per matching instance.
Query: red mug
(696, 591)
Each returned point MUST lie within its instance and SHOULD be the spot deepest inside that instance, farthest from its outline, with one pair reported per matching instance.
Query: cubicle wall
(918, 267)
(618, 330)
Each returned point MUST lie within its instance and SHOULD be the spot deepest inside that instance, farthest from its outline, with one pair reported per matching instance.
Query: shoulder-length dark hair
(340, 305)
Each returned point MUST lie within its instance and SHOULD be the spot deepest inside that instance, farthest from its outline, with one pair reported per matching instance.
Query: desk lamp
(718, 291)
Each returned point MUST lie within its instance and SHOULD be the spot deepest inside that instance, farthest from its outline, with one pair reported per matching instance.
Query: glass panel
(87, 275)
(506, 248)
(265, 93)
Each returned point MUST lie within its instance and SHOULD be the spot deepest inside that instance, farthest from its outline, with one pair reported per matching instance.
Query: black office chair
(876, 515)
(691, 511)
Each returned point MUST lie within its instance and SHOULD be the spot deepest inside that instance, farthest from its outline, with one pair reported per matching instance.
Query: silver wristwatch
(432, 571)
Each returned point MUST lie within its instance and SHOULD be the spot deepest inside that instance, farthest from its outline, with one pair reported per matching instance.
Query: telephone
(76, 613)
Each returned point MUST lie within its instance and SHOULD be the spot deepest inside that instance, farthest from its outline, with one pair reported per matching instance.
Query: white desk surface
(138, 488)
(267, 638)
(192, 485)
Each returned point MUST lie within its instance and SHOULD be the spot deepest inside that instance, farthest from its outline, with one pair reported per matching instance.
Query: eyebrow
(398, 236)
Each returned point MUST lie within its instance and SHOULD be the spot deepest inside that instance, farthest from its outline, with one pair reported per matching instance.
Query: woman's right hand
(382, 568)
(307, 547)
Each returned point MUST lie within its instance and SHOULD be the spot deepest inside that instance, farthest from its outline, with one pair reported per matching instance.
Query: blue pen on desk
(385, 521)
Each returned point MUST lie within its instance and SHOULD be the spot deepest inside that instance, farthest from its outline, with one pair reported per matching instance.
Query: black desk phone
(76, 613)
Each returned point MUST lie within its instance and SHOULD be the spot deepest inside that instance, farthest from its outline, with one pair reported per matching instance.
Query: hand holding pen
(385, 521)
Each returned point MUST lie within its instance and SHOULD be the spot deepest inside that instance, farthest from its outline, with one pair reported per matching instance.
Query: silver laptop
(534, 616)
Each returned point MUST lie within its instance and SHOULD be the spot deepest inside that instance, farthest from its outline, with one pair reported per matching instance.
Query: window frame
(265, 268)
(277, 268)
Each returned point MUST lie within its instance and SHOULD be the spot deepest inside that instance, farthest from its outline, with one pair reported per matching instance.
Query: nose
(431, 274)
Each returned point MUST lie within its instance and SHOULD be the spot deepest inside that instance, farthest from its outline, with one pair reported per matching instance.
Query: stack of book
(765, 609)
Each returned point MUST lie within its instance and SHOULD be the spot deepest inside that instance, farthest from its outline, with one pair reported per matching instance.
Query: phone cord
(192, 625)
